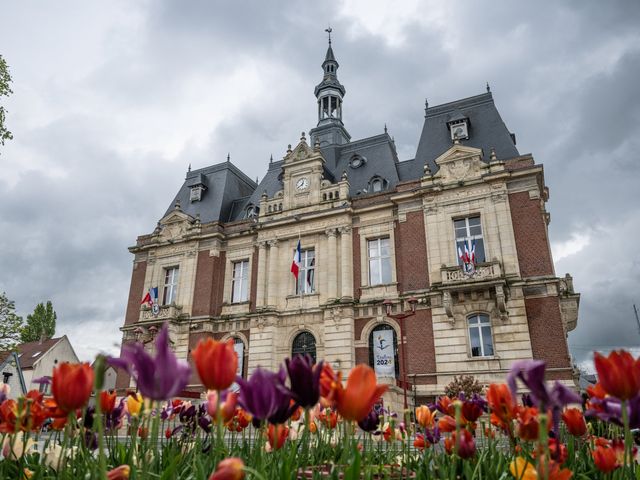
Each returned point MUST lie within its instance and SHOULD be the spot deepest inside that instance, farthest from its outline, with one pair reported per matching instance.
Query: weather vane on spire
(329, 30)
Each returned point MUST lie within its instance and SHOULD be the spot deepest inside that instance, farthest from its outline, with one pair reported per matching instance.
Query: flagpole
(297, 281)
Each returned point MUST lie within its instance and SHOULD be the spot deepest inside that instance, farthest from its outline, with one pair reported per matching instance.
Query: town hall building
(425, 268)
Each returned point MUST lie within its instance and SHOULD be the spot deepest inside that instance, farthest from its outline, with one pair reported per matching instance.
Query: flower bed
(305, 422)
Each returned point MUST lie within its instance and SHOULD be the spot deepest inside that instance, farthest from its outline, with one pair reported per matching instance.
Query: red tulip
(71, 385)
(420, 443)
(229, 469)
(216, 362)
(619, 374)
(277, 434)
(501, 404)
(447, 424)
(528, 425)
(107, 401)
(574, 420)
(356, 400)
(605, 459)
(466, 445)
(119, 473)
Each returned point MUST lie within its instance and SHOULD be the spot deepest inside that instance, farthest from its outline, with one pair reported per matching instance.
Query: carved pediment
(302, 151)
(460, 163)
(174, 225)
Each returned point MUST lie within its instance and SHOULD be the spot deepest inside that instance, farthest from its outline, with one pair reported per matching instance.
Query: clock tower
(303, 169)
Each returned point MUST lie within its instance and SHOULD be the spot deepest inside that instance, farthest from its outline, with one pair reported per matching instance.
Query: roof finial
(385, 128)
(492, 156)
(303, 138)
(189, 169)
(257, 179)
(488, 88)
(426, 106)
(271, 158)
(229, 157)
(329, 30)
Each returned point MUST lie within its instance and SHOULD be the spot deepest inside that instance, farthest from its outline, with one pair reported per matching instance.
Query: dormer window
(252, 211)
(377, 184)
(459, 130)
(196, 193)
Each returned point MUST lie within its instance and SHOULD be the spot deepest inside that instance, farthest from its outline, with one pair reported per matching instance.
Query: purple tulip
(113, 420)
(371, 421)
(158, 378)
(610, 410)
(265, 396)
(531, 373)
(305, 380)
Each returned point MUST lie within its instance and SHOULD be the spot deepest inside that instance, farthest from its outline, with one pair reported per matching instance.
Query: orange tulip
(501, 404)
(574, 420)
(605, 459)
(446, 405)
(226, 409)
(229, 469)
(596, 391)
(425, 417)
(330, 381)
(276, 435)
(25, 415)
(71, 385)
(420, 443)
(356, 400)
(447, 424)
(528, 425)
(216, 362)
(119, 473)
(107, 401)
(619, 374)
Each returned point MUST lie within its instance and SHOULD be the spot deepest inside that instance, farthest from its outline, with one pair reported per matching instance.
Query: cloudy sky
(113, 100)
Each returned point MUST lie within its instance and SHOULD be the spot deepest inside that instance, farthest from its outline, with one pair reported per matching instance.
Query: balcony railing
(165, 312)
(483, 272)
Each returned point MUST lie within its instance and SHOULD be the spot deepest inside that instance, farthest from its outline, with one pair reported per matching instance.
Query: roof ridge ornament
(488, 88)
(329, 30)
(426, 107)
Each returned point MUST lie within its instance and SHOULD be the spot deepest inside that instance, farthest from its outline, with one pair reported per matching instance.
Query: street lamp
(403, 354)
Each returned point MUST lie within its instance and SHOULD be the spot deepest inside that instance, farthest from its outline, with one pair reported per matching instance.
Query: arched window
(383, 351)
(304, 343)
(239, 347)
(252, 211)
(480, 338)
(377, 184)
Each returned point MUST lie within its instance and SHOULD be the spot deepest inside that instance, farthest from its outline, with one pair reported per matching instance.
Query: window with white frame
(240, 282)
(379, 261)
(307, 273)
(170, 292)
(469, 234)
(480, 338)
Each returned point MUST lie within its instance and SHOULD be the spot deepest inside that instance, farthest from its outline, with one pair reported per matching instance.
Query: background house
(38, 359)
(12, 373)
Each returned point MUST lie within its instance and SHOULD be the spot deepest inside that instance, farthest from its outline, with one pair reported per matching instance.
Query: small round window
(357, 161)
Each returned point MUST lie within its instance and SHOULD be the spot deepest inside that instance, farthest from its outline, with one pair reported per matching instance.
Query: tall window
(239, 348)
(170, 285)
(307, 273)
(469, 233)
(239, 282)
(379, 261)
(304, 343)
(480, 335)
(383, 351)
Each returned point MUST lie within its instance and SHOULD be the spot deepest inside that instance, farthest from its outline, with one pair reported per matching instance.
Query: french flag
(151, 297)
(297, 260)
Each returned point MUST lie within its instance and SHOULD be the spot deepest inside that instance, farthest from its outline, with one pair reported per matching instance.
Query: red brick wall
(254, 281)
(411, 253)
(358, 325)
(136, 292)
(421, 350)
(545, 328)
(356, 262)
(362, 355)
(207, 296)
(530, 232)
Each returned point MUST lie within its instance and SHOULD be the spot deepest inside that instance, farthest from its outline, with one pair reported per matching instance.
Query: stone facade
(529, 309)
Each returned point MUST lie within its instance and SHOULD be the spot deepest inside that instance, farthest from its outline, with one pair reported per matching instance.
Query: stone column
(346, 267)
(332, 265)
(262, 273)
(273, 278)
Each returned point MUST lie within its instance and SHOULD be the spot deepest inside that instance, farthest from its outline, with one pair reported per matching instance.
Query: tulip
(605, 459)
(619, 374)
(356, 400)
(574, 420)
(160, 377)
(501, 405)
(420, 442)
(558, 451)
(71, 385)
(134, 404)
(265, 396)
(119, 473)
(107, 401)
(371, 421)
(447, 424)
(521, 469)
(276, 435)
(425, 417)
(229, 469)
(305, 380)
(216, 362)
(466, 445)
(445, 405)
(473, 409)
(329, 418)
(227, 407)
(528, 425)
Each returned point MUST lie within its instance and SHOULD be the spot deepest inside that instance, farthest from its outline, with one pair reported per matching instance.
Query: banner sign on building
(383, 353)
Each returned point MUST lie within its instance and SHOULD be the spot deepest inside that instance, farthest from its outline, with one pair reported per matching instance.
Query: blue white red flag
(151, 297)
(297, 261)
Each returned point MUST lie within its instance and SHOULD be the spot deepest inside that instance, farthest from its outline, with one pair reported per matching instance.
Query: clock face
(302, 183)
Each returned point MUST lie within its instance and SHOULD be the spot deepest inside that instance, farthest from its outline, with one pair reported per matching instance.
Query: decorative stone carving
(447, 303)
(501, 303)
(460, 163)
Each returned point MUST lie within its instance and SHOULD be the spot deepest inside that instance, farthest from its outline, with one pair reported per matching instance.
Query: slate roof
(27, 351)
(229, 191)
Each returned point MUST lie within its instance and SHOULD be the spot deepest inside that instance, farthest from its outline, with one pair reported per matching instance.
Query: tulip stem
(543, 446)
(627, 437)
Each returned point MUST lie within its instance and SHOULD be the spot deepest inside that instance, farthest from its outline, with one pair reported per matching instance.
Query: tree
(5, 91)
(41, 324)
(10, 324)
(466, 384)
